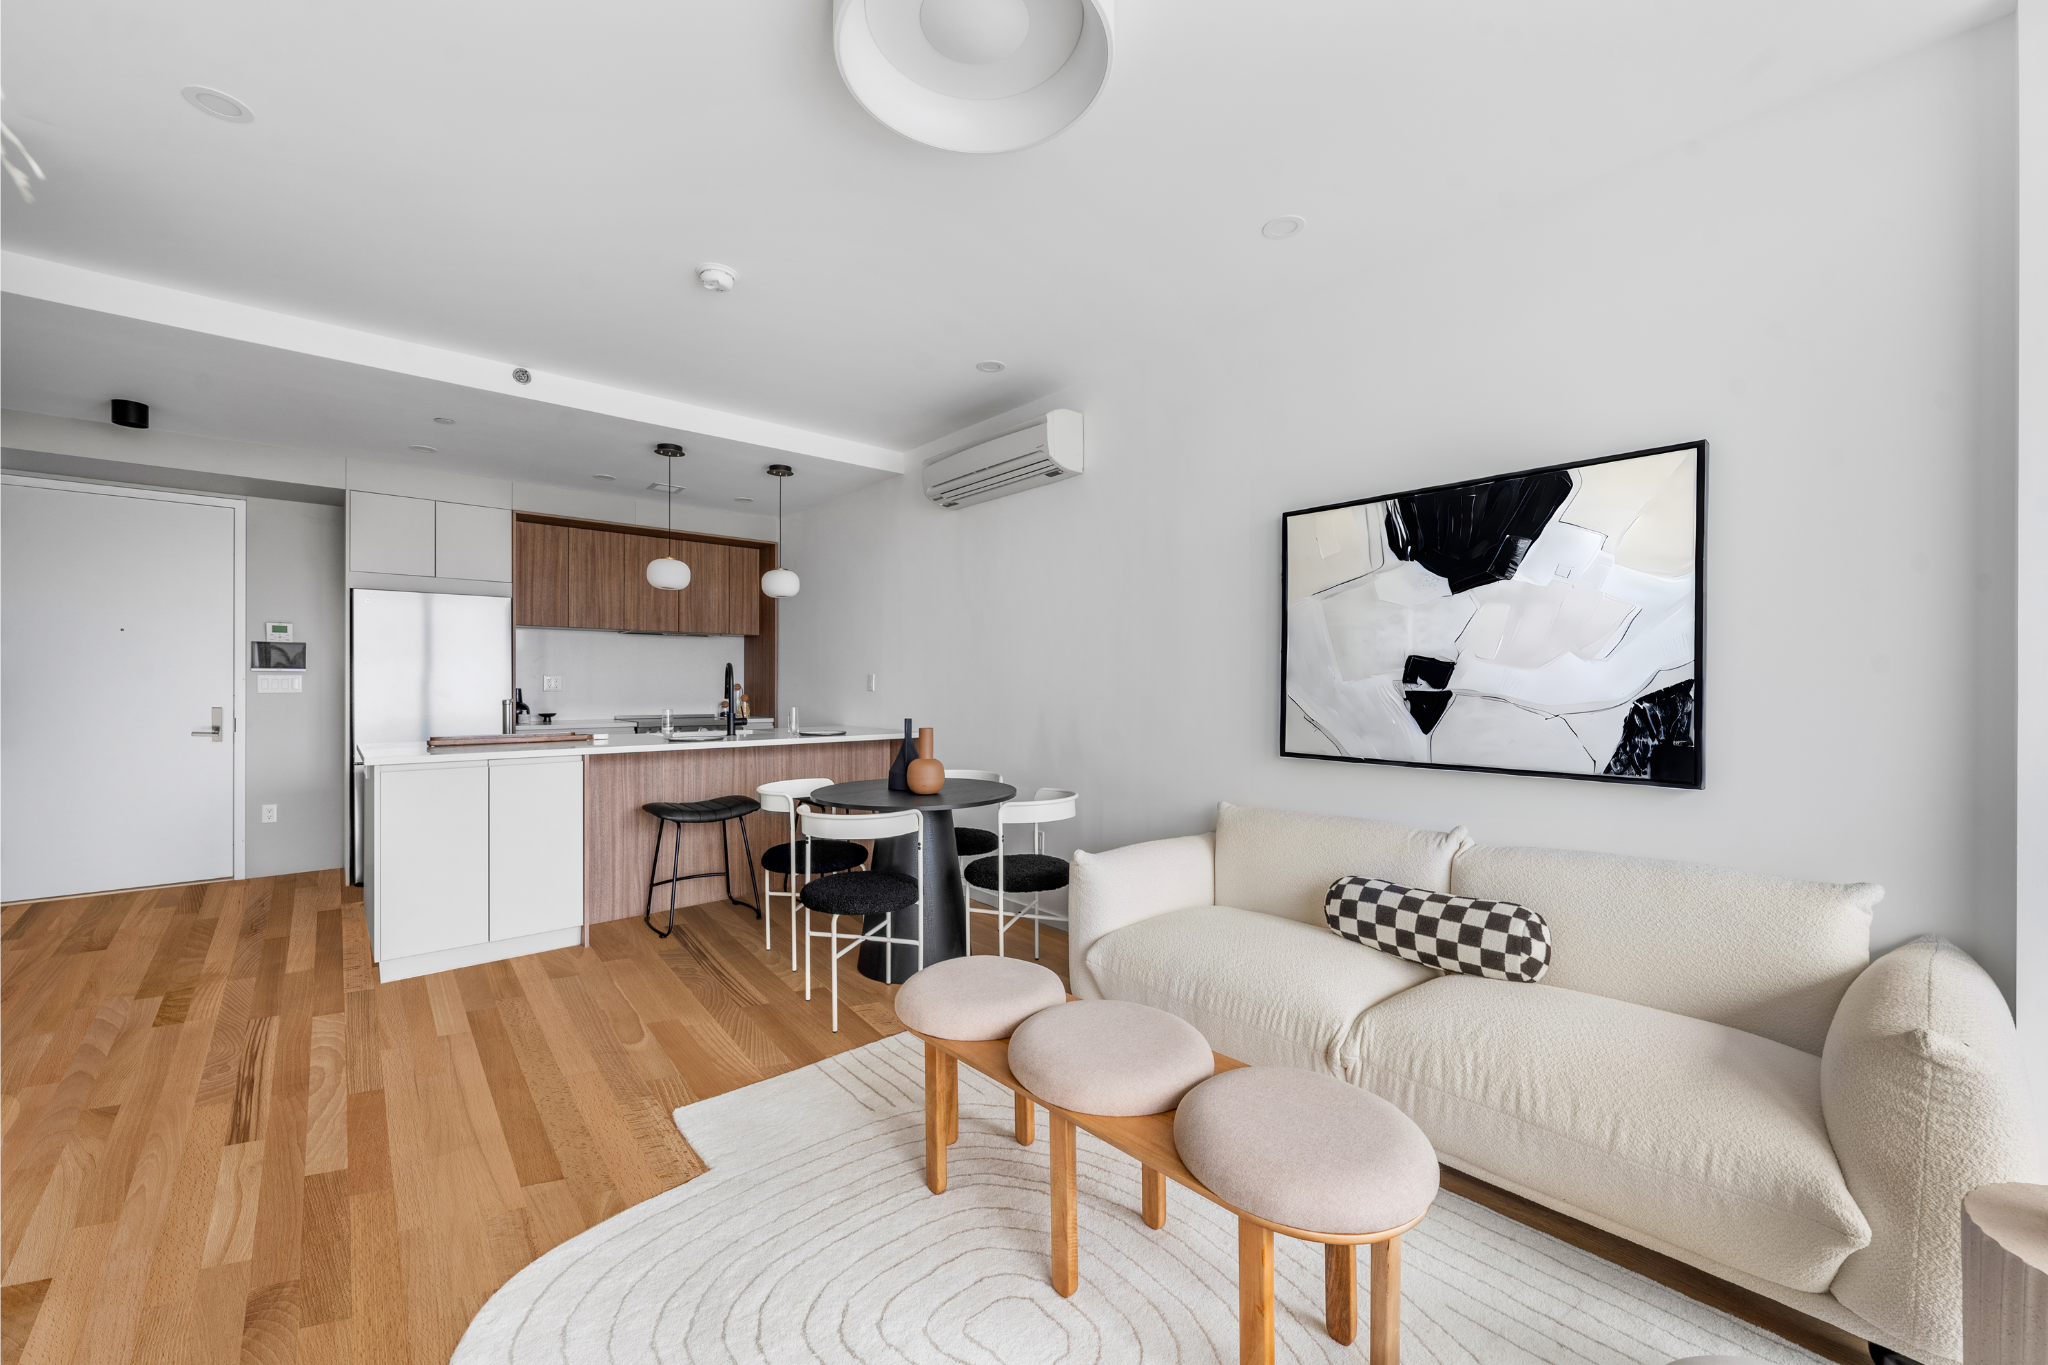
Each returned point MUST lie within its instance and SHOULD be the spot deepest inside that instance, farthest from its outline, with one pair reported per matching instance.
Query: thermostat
(277, 630)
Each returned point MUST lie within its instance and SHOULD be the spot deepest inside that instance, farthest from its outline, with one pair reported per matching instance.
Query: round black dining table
(945, 903)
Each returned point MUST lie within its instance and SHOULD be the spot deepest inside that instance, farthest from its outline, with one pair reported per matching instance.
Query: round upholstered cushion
(969, 842)
(825, 855)
(1109, 1057)
(1021, 872)
(703, 812)
(859, 893)
(976, 999)
(1306, 1150)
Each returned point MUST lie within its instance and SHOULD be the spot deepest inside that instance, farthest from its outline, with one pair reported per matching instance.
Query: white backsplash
(606, 674)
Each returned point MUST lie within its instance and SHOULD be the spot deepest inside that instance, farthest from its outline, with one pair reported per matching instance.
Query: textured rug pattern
(813, 1238)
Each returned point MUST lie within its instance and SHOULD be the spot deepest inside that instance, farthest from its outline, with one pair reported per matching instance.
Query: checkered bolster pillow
(1451, 933)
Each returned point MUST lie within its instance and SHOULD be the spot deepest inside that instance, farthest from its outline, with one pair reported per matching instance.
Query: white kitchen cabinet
(470, 861)
(536, 847)
(472, 542)
(390, 534)
(432, 865)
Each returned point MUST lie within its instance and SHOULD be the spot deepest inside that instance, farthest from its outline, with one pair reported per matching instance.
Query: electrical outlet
(871, 682)
(550, 684)
(270, 815)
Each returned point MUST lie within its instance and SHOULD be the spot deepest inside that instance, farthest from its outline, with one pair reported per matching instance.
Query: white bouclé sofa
(1712, 1067)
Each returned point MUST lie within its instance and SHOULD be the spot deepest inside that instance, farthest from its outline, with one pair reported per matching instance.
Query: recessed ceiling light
(742, 499)
(424, 450)
(218, 103)
(974, 75)
(666, 488)
(445, 421)
(605, 478)
(719, 279)
(990, 366)
(1279, 228)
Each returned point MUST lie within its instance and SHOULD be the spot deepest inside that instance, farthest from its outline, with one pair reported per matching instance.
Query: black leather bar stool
(715, 811)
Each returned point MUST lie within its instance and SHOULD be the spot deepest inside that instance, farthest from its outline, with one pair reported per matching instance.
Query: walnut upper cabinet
(589, 579)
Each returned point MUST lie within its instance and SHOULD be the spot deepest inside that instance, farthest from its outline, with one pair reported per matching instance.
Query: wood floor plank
(324, 1254)
(327, 1095)
(526, 1137)
(19, 1304)
(67, 1307)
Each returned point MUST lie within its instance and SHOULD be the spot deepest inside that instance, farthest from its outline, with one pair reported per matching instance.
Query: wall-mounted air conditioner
(1048, 451)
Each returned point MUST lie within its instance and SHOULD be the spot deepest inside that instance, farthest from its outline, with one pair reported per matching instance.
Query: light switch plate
(548, 684)
(280, 682)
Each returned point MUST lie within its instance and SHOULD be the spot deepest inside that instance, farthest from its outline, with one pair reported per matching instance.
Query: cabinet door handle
(214, 733)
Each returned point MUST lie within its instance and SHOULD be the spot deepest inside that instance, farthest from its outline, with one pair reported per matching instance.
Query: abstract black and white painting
(1547, 622)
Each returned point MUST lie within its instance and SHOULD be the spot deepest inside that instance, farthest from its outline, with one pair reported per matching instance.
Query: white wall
(2031, 507)
(606, 673)
(1822, 292)
(295, 744)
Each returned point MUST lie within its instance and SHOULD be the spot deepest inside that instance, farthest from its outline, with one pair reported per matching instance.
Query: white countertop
(416, 751)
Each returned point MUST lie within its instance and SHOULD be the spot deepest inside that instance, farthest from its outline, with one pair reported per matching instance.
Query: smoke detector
(717, 278)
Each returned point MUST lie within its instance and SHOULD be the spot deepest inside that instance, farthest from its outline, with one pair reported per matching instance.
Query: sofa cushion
(1767, 955)
(1280, 862)
(1263, 990)
(1450, 933)
(1706, 1137)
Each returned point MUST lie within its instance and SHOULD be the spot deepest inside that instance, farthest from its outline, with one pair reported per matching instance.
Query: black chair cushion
(970, 842)
(703, 812)
(868, 894)
(1024, 872)
(827, 855)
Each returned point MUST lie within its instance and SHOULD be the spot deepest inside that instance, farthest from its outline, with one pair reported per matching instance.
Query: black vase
(899, 771)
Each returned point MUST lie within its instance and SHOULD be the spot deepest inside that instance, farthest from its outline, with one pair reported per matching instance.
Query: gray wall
(296, 740)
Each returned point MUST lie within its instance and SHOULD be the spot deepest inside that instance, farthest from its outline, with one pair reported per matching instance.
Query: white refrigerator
(421, 665)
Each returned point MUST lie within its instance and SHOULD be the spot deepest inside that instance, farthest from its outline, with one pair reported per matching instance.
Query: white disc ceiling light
(974, 75)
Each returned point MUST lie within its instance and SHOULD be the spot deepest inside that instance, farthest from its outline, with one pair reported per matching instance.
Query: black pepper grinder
(899, 771)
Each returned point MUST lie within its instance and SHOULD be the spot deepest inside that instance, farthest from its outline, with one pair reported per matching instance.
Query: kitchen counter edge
(379, 755)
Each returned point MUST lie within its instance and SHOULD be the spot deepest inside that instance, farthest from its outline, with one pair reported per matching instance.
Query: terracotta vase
(926, 773)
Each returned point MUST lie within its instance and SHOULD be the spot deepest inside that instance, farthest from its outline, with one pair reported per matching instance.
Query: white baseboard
(470, 955)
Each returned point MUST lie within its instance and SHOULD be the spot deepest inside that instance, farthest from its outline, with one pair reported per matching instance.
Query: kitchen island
(477, 854)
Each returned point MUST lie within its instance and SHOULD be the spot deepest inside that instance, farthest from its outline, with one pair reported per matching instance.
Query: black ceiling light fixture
(129, 413)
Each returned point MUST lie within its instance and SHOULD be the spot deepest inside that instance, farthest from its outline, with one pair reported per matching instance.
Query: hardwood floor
(221, 1139)
(225, 1140)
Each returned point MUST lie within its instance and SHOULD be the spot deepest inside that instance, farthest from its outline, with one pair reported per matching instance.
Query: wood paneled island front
(620, 778)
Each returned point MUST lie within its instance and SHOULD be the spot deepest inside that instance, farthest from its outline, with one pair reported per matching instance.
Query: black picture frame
(277, 654)
(1697, 779)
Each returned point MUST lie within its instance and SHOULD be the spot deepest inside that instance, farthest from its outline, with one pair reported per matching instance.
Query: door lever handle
(214, 733)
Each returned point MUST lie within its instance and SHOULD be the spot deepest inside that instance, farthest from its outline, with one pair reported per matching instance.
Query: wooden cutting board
(478, 741)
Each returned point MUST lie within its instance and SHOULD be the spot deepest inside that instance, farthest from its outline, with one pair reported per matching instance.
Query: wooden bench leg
(1066, 1249)
(1155, 1198)
(1027, 1121)
(1386, 1302)
(1254, 1293)
(1340, 1291)
(941, 1114)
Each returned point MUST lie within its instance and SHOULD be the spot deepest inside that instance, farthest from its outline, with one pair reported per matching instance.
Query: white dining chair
(829, 855)
(876, 897)
(1032, 874)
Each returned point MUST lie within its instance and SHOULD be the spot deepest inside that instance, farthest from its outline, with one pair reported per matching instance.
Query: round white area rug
(813, 1238)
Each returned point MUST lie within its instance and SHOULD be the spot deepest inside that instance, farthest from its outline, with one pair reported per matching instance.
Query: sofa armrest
(1924, 1099)
(1110, 890)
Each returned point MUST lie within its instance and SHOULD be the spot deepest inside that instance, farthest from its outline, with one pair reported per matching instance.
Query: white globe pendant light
(974, 75)
(667, 573)
(779, 582)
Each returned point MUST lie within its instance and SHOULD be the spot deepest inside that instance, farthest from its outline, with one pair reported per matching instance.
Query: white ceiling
(539, 182)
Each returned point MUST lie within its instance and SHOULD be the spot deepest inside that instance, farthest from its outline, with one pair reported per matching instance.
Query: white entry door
(120, 645)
